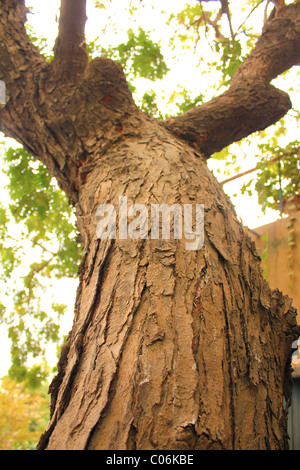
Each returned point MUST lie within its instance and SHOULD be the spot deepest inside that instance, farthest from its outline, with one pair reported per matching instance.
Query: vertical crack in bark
(229, 356)
(61, 386)
(96, 429)
(197, 313)
(96, 324)
(244, 331)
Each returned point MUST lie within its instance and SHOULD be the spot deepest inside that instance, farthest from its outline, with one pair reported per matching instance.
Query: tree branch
(70, 48)
(20, 61)
(251, 103)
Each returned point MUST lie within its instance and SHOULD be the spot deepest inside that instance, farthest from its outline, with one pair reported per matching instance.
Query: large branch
(70, 49)
(20, 61)
(251, 103)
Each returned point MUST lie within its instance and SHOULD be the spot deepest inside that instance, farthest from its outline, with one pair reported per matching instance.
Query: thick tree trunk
(170, 348)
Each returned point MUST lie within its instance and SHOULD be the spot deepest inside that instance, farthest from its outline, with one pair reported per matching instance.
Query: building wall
(278, 244)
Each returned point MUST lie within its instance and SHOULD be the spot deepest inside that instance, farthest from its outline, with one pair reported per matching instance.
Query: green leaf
(139, 56)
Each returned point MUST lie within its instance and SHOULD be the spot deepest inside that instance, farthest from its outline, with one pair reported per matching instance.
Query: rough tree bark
(170, 348)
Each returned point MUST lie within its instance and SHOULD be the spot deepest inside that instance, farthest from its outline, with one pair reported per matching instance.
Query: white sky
(44, 21)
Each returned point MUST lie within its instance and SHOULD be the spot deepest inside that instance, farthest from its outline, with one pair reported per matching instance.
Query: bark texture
(170, 348)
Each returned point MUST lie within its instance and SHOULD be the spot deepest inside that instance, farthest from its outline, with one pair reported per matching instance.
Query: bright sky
(44, 21)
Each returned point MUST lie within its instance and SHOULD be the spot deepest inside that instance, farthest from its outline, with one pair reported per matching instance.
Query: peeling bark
(170, 348)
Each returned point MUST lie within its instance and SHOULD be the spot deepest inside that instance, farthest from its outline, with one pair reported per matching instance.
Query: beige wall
(279, 245)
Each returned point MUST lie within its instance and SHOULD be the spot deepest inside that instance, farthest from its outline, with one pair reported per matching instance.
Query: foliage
(149, 105)
(184, 100)
(139, 56)
(230, 58)
(40, 42)
(37, 222)
(23, 416)
(277, 165)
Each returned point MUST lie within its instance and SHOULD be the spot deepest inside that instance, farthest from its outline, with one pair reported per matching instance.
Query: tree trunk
(170, 348)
